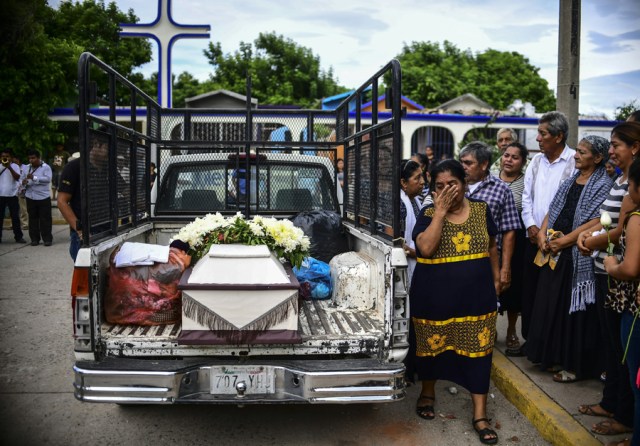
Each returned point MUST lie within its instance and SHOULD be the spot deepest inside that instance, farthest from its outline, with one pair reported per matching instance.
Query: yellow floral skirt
(470, 336)
(453, 323)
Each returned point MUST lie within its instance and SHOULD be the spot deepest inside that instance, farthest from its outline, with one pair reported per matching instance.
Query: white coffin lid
(239, 264)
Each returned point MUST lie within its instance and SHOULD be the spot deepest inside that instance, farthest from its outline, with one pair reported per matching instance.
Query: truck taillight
(80, 282)
(401, 311)
(400, 308)
(81, 309)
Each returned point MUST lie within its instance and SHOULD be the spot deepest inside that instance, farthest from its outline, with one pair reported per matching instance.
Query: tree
(186, 86)
(433, 75)
(39, 57)
(624, 111)
(34, 76)
(94, 27)
(282, 71)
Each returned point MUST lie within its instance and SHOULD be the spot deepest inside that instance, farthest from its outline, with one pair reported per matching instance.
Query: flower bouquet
(287, 241)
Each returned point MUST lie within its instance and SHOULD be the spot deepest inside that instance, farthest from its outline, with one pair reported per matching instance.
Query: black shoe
(48, 243)
(517, 352)
(21, 240)
(35, 243)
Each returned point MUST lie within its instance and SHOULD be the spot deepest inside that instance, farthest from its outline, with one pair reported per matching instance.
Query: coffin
(239, 294)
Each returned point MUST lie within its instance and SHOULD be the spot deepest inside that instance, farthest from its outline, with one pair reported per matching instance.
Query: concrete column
(569, 65)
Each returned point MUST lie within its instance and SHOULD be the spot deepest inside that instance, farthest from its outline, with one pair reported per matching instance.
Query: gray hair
(557, 123)
(598, 146)
(514, 134)
(479, 150)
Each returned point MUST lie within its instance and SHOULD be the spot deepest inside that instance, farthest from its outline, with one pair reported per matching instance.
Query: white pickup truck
(352, 345)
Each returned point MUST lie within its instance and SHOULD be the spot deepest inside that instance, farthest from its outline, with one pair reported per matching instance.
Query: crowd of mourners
(552, 238)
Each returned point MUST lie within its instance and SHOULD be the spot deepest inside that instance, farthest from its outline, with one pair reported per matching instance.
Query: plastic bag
(315, 279)
(325, 232)
(146, 295)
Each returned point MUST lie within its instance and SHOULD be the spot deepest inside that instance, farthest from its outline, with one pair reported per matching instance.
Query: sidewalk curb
(554, 423)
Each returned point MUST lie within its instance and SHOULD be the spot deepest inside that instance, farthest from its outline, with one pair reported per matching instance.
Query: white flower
(280, 235)
(605, 219)
(256, 229)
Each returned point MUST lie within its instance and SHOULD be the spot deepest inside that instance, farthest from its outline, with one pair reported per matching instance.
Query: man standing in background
(37, 183)
(9, 182)
(504, 137)
(58, 161)
(554, 164)
(22, 201)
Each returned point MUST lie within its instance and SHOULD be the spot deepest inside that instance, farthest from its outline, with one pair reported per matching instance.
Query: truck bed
(323, 328)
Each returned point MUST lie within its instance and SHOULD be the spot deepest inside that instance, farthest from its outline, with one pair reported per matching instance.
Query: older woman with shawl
(563, 337)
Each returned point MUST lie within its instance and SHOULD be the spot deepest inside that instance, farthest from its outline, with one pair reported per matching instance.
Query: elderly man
(475, 158)
(554, 164)
(504, 137)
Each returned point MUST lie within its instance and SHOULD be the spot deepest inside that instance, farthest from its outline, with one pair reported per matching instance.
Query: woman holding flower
(563, 336)
(453, 294)
(626, 294)
(617, 400)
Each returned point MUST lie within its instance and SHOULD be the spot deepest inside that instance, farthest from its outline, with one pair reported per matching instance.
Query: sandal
(625, 442)
(589, 409)
(427, 411)
(513, 342)
(483, 433)
(565, 377)
(610, 427)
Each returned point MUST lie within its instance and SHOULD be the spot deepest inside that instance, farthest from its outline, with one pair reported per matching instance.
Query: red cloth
(146, 295)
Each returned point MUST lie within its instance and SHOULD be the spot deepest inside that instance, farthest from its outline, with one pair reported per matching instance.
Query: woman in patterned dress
(453, 294)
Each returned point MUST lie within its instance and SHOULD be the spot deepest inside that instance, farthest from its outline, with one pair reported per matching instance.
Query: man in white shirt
(9, 182)
(554, 164)
(37, 183)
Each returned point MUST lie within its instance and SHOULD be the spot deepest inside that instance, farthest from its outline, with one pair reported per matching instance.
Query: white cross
(165, 31)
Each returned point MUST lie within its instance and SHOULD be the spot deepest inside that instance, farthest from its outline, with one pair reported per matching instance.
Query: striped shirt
(612, 205)
(517, 187)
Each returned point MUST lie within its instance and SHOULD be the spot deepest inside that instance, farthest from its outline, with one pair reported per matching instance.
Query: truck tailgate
(324, 330)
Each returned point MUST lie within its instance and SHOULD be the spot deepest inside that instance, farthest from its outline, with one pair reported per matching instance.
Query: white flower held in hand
(605, 221)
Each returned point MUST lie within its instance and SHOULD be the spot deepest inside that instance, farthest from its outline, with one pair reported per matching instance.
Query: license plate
(258, 379)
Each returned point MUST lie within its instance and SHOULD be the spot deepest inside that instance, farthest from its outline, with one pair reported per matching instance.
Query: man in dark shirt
(69, 203)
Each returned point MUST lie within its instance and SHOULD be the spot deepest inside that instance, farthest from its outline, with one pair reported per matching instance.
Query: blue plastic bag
(315, 279)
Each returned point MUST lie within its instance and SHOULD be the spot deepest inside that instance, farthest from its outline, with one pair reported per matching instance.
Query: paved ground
(552, 408)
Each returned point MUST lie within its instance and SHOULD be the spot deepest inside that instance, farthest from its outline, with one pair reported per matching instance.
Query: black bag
(325, 232)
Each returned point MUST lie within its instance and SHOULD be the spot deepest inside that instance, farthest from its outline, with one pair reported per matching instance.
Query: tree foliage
(94, 26)
(624, 111)
(432, 75)
(39, 58)
(282, 71)
(34, 73)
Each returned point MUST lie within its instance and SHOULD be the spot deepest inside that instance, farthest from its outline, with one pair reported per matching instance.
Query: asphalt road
(37, 406)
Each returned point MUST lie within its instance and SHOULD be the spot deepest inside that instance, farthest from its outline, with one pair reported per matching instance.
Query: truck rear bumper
(211, 381)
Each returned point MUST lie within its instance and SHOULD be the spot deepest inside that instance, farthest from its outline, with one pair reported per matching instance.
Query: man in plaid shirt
(481, 185)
